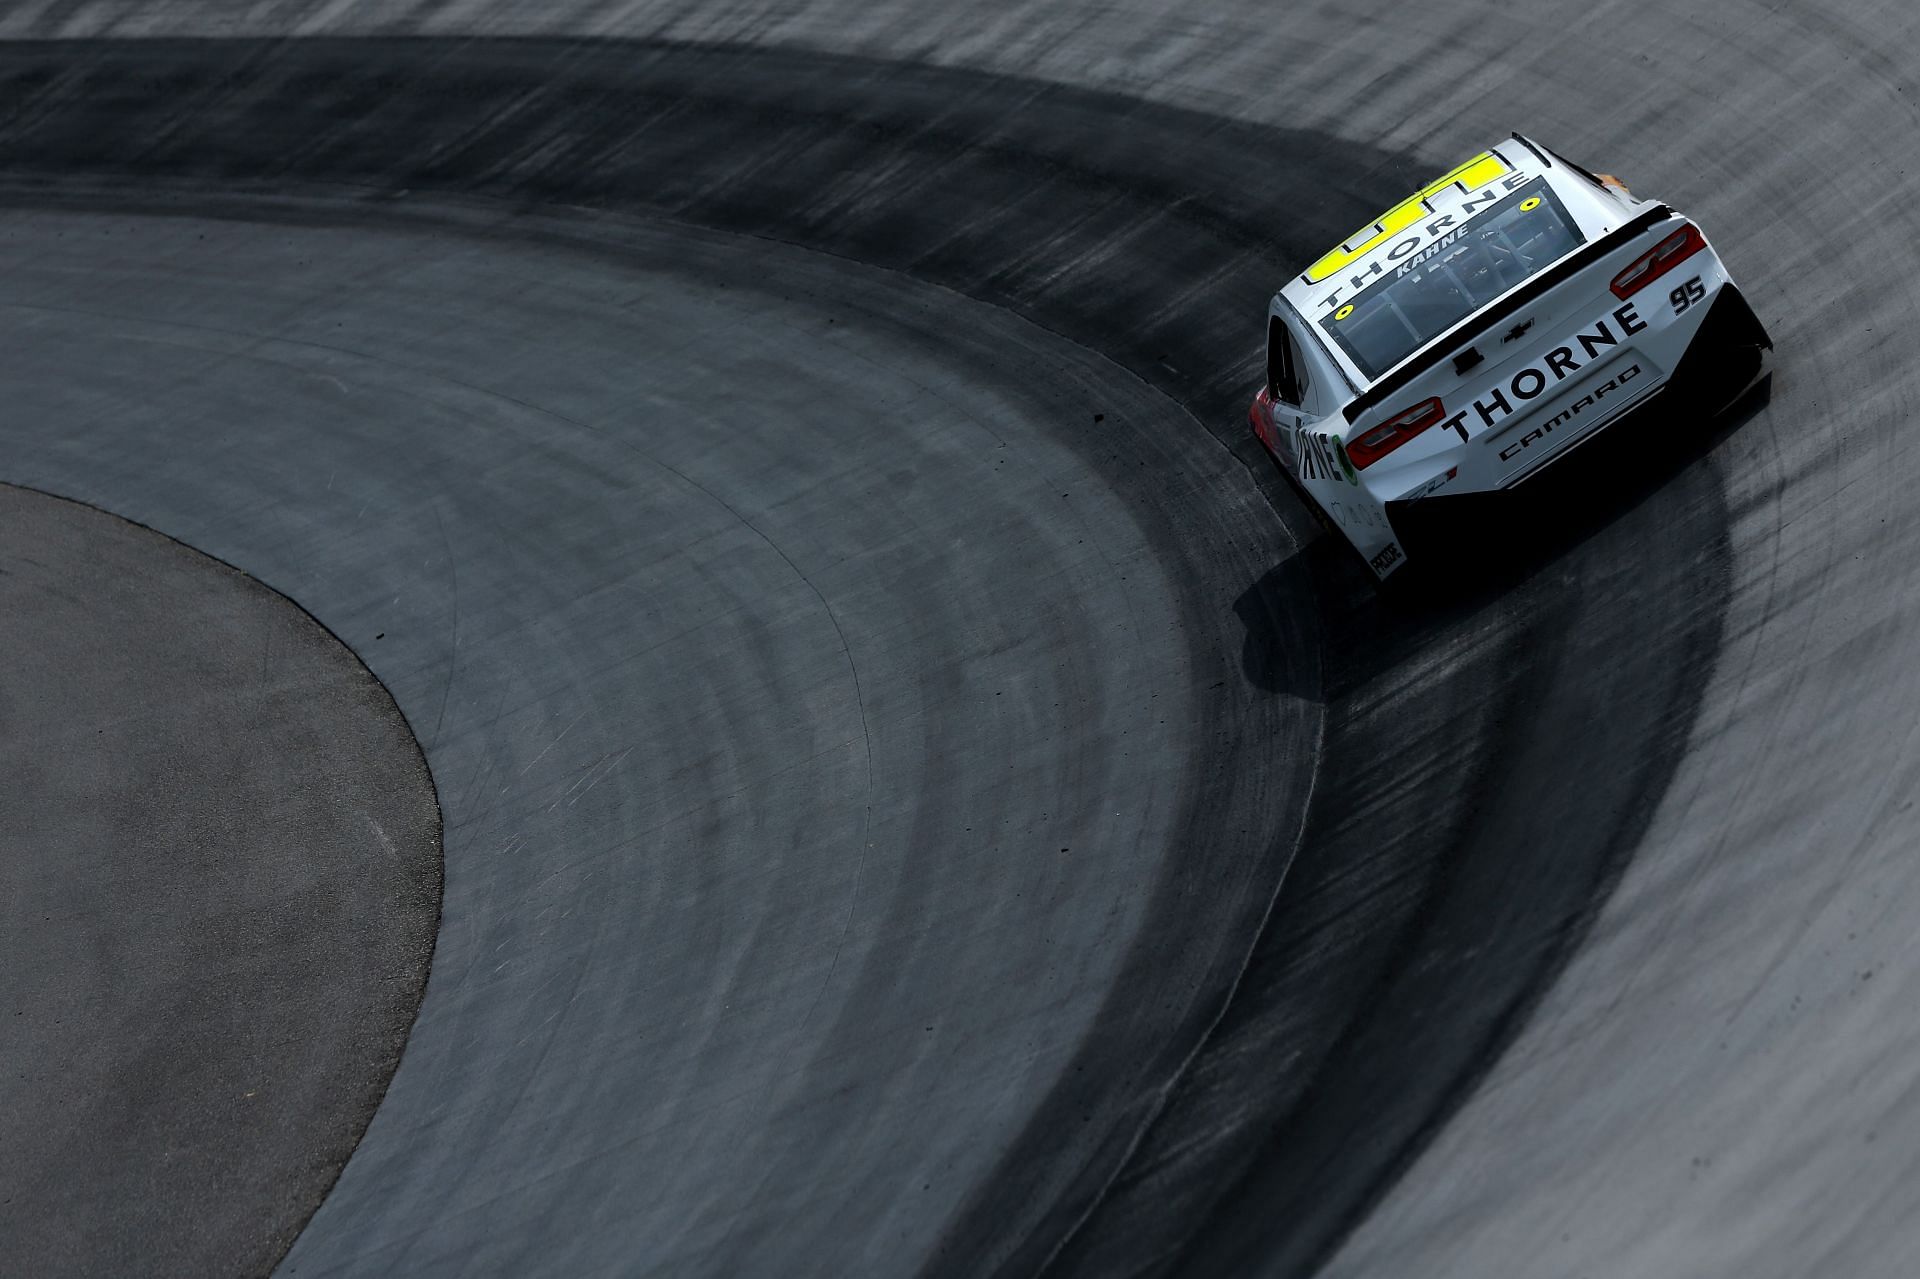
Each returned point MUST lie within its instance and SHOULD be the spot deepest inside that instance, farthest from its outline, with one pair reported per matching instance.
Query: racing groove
(1419, 918)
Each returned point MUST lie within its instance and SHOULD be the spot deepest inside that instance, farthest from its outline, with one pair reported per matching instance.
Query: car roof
(1444, 205)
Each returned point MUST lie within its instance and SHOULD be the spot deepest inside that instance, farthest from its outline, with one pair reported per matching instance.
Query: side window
(1286, 372)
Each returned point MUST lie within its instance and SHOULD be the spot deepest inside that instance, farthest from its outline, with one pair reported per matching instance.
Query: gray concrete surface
(219, 884)
(1715, 1084)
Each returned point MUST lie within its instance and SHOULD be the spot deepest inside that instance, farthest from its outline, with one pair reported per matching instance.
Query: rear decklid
(1523, 366)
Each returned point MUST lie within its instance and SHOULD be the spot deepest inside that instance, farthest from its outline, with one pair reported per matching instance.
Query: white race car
(1484, 328)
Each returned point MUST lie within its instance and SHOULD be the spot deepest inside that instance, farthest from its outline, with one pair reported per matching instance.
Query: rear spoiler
(1475, 325)
(1549, 157)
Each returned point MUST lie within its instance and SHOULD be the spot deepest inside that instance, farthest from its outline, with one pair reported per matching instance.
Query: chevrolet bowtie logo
(1518, 331)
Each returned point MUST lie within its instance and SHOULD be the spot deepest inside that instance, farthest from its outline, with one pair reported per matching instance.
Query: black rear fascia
(1474, 326)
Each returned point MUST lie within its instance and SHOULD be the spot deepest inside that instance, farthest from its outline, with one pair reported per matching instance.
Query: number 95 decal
(1687, 294)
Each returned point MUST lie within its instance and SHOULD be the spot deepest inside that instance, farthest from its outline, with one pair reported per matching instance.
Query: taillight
(1374, 443)
(1666, 255)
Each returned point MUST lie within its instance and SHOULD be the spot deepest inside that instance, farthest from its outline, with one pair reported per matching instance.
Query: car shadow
(1267, 659)
(1481, 546)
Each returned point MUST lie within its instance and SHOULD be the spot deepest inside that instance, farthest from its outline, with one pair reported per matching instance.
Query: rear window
(1420, 299)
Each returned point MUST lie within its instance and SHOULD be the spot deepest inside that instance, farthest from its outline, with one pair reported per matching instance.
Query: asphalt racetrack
(914, 793)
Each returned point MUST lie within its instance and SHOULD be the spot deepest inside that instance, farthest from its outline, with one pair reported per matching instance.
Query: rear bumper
(1727, 355)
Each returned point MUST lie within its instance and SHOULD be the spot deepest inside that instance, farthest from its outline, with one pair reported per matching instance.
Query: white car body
(1503, 315)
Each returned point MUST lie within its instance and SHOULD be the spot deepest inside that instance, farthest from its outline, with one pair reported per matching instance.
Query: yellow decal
(1469, 177)
(1529, 204)
(1343, 312)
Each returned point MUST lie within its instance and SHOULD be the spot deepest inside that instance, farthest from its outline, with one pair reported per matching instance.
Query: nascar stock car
(1483, 329)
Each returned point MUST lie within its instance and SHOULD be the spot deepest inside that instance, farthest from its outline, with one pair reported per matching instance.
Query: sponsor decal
(1262, 418)
(1419, 241)
(1554, 368)
(1358, 515)
(1405, 216)
(1568, 414)
(1386, 559)
(1321, 457)
(1433, 250)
